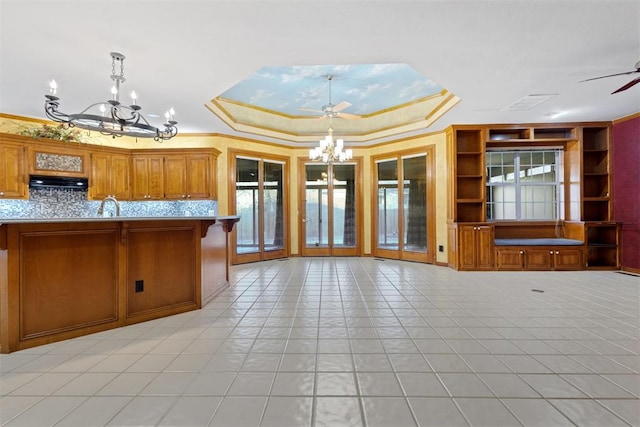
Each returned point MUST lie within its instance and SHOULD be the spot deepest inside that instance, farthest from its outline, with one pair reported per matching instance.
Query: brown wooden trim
(25, 119)
(3, 236)
(625, 118)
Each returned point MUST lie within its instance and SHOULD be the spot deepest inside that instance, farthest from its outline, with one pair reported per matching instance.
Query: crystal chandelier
(330, 151)
(111, 117)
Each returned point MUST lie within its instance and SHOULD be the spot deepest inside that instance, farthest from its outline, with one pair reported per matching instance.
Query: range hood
(68, 182)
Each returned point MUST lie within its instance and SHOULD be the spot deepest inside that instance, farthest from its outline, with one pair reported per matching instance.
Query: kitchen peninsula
(62, 278)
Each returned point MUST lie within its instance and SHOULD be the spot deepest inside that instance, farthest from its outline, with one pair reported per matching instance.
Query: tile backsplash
(64, 203)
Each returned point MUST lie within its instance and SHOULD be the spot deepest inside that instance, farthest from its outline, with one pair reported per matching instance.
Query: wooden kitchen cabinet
(475, 247)
(188, 177)
(147, 177)
(109, 176)
(12, 178)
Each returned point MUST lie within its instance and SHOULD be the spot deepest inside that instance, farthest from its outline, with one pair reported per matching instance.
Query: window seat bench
(535, 246)
(547, 241)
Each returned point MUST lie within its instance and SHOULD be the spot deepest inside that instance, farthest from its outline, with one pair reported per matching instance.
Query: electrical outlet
(139, 285)
(440, 248)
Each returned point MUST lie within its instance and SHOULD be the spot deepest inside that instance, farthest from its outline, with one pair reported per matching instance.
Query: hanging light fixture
(330, 151)
(111, 117)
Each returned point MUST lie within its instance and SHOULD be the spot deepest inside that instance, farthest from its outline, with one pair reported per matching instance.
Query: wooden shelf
(509, 134)
(603, 239)
(596, 179)
(468, 175)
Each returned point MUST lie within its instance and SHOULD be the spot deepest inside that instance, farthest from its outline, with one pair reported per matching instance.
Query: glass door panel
(388, 204)
(316, 206)
(344, 205)
(273, 197)
(414, 184)
(247, 206)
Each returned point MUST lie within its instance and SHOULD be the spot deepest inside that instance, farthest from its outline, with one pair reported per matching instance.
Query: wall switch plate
(139, 285)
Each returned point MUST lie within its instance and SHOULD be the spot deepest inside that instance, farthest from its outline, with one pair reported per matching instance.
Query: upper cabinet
(109, 176)
(147, 177)
(12, 178)
(148, 174)
(188, 177)
(185, 176)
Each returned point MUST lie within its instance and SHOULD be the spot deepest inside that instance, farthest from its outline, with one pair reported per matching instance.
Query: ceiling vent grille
(529, 101)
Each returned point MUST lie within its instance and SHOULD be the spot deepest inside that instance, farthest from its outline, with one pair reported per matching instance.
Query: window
(523, 184)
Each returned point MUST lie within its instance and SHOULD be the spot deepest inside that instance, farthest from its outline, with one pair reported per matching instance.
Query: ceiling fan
(626, 86)
(333, 110)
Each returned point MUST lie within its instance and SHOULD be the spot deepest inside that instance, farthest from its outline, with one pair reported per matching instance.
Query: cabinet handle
(1, 193)
(557, 252)
(550, 252)
(521, 252)
(188, 196)
(184, 196)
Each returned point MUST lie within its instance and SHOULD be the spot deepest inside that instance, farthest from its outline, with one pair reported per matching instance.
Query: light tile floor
(353, 341)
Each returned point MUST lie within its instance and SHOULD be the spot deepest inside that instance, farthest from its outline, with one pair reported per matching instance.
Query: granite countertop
(116, 218)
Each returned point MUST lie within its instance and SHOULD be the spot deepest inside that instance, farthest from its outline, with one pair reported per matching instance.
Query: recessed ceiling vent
(529, 101)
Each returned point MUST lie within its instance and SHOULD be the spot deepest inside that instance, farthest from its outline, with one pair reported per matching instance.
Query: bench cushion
(538, 242)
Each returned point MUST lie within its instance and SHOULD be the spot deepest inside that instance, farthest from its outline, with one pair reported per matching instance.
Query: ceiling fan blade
(627, 86)
(310, 109)
(341, 106)
(349, 116)
(611, 75)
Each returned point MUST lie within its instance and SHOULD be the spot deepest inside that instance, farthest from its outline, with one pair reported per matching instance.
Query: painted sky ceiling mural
(369, 88)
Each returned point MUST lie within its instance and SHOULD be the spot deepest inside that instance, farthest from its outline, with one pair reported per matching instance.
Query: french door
(403, 216)
(259, 198)
(330, 212)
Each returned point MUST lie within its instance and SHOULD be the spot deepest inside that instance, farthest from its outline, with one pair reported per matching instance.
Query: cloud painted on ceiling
(368, 87)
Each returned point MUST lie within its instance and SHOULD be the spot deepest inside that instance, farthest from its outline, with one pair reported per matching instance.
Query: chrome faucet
(115, 202)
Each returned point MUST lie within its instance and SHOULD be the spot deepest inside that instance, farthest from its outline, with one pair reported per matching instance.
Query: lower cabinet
(539, 258)
(475, 243)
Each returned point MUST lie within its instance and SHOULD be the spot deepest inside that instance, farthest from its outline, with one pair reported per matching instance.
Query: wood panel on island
(66, 278)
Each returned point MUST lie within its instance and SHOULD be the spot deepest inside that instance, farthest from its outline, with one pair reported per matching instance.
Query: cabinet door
(175, 177)
(509, 259)
(109, 176)
(198, 177)
(484, 248)
(120, 174)
(12, 179)
(100, 173)
(568, 259)
(467, 247)
(148, 178)
(538, 259)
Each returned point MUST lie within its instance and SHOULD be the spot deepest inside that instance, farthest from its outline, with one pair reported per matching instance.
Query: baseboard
(631, 270)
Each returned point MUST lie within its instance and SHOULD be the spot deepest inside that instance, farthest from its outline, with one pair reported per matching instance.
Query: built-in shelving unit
(596, 183)
(469, 176)
(587, 200)
(602, 245)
